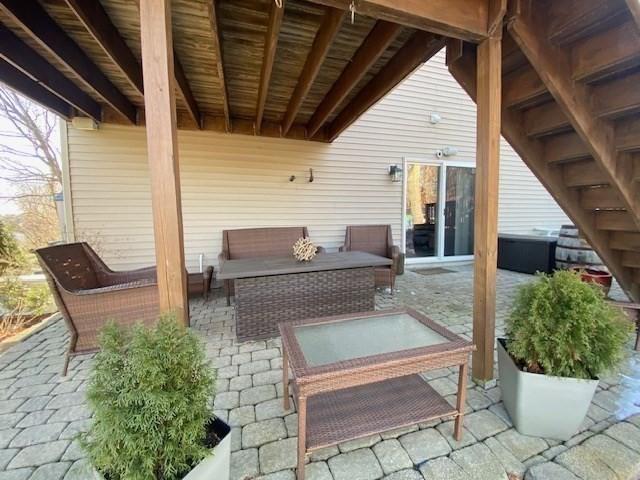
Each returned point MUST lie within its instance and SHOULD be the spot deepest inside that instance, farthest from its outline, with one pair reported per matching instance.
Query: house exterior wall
(237, 181)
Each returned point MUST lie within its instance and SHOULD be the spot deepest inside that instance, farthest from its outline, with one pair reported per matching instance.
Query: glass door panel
(458, 211)
(422, 210)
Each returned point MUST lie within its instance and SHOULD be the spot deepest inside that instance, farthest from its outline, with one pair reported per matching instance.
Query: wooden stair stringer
(531, 150)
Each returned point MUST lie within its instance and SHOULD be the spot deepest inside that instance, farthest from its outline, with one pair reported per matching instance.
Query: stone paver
(259, 433)
(549, 471)
(625, 433)
(392, 456)
(41, 412)
(443, 468)
(38, 434)
(278, 455)
(583, 463)
(244, 464)
(484, 424)
(404, 475)
(424, 445)
(356, 465)
(521, 446)
(317, 471)
(477, 461)
(51, 471)
(41, 454)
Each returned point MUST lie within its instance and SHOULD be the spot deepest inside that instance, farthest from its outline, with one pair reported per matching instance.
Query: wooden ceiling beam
(269, 54)
(464, 19)
(185, 91)
(25, 85)
(37, 23)
(329, 28)
(634, 8)
(416, 51)
(379, 39)
(554, 68)
(572, 20)
(99, 25)
(217, 48)
(24, 58)
(532, 153)
(606, 53)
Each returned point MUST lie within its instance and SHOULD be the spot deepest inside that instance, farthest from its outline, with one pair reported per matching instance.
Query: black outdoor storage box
(526, 253)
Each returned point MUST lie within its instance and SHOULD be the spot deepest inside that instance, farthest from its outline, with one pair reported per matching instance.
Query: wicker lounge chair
(257, 243)
(88, 294)
(376, 239)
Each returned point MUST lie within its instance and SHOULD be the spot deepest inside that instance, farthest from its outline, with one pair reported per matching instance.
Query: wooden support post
(162, 151)
(486, 205)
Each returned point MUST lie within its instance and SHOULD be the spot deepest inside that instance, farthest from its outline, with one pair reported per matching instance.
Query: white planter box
(215, 466)
(543, 405)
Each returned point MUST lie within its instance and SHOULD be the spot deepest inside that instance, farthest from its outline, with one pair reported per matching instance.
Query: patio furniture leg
(285, 377)
(462, 397)
(72, 346)
(302, 436)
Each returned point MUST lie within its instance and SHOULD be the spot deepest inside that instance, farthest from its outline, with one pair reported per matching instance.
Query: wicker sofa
(258, 243)
(88, 293)
(375, 239)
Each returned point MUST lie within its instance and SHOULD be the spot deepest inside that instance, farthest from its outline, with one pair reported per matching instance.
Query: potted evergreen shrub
(150, 392)
(560, 337)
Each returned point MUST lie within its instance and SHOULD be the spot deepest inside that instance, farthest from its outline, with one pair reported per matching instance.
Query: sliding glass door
(438, 210)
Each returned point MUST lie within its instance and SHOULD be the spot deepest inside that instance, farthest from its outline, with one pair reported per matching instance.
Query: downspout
(68, 235)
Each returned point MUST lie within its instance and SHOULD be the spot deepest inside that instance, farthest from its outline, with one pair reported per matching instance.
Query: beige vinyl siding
(236, 181)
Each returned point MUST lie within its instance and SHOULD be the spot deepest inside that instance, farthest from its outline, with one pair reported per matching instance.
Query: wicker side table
(357, 375)
(200, 283)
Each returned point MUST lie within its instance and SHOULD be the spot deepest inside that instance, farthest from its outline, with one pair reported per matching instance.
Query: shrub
(20, 304)
(12, 257)
(150, 392)
(562, 326)
(31, 299)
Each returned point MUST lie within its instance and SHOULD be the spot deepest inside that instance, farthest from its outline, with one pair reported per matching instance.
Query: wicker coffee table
(357, 375)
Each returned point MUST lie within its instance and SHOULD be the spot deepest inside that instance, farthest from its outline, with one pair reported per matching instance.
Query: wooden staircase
(571, 109)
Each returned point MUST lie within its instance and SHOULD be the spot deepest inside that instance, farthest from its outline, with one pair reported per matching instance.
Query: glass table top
(327, 343)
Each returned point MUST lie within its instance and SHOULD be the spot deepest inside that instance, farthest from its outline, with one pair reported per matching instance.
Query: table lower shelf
(356, 412)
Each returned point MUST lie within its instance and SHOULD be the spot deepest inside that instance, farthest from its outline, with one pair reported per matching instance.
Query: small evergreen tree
(150, 393)
(562, 326)
(11, 255)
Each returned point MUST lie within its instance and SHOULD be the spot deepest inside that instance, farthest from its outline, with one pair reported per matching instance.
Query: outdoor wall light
(395, 172)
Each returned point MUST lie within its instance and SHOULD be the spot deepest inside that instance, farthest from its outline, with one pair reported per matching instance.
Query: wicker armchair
(258, 243)
(88, 294)
(375, 239)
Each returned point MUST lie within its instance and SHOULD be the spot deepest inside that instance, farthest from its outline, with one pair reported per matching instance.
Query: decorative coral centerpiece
(304, 250)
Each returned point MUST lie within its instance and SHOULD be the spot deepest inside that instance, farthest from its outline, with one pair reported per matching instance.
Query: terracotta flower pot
(599, 277)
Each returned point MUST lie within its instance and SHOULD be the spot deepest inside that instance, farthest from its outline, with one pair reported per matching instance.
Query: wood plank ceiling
(570, 76)
(242, 66)
(570, 108)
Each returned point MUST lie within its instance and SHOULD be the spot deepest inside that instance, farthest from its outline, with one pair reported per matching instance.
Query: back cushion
(370, 239)
(263, 242)
(70, 266)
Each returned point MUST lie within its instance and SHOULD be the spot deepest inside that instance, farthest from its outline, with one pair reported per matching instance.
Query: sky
(6, 127)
